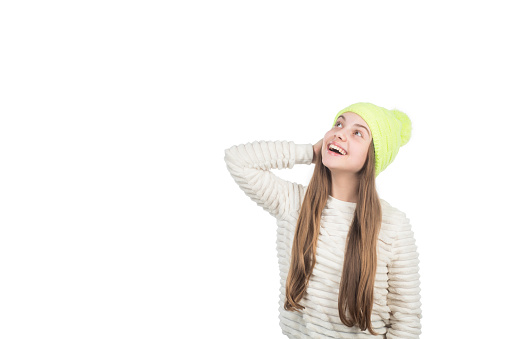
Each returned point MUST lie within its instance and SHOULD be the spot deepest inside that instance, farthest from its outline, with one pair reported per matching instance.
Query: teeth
(342, 151)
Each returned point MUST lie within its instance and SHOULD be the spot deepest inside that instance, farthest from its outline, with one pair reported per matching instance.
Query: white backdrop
(119, 218)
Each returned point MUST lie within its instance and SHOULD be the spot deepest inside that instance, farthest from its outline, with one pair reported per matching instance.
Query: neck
(344, 186)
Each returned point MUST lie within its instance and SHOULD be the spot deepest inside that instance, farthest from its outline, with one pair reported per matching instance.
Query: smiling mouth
(336, 150)
(335, 154)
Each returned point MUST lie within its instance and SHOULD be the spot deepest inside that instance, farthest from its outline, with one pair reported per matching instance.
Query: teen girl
(348, 261)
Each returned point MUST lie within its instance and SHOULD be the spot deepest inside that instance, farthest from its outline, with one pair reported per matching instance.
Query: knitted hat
(390, 129)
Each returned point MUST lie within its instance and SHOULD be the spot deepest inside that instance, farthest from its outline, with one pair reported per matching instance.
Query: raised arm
(403, 297)
(250, 165)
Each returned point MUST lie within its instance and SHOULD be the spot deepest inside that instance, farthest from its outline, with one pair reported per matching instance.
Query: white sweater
(397, 307)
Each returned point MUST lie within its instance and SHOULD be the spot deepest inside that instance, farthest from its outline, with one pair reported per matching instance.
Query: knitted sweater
(397, 307)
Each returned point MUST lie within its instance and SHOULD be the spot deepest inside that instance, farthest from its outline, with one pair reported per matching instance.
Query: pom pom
(406, 125)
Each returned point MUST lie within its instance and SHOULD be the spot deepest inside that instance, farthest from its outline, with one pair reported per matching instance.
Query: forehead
(350, 115)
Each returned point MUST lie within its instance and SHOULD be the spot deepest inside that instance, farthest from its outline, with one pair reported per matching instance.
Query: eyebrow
(341, 116)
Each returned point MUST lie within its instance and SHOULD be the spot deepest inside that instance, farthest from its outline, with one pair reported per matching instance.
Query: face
(354, 139)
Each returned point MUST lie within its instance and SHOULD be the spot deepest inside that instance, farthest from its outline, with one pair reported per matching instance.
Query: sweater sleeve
(403, 297)
(250, 166)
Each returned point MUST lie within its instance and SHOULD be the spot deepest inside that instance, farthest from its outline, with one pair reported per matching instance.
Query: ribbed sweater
(397, 308)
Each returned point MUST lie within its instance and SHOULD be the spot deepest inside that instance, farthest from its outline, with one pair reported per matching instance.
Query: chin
(331, 165)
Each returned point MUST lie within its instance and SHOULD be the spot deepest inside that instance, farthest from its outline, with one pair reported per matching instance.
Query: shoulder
(394, 216)
(390, 209)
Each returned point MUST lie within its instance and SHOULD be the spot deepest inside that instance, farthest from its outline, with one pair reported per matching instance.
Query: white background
(119, 218)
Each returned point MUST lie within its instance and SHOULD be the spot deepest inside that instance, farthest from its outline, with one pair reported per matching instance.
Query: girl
(348, 261)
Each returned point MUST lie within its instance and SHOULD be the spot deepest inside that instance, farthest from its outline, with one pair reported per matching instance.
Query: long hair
(360, 262)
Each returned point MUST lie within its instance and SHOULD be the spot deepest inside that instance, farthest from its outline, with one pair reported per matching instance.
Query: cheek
(360, 150)
(364, 152)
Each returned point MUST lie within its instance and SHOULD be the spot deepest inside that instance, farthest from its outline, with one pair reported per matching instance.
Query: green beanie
(390, 129)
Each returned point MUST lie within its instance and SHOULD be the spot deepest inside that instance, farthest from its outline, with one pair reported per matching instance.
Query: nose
(340, 134)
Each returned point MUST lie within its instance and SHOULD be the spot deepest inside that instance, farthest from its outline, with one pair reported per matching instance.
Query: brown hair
(360, 261)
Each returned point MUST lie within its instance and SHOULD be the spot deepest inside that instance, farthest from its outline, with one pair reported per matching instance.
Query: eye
(339, 123)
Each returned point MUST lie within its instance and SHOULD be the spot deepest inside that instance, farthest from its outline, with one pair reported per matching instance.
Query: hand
(316, 149)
